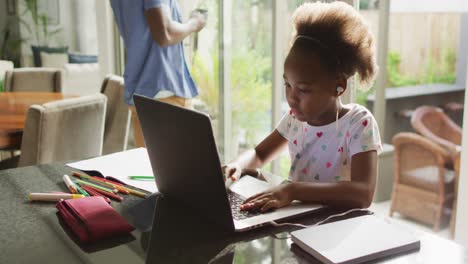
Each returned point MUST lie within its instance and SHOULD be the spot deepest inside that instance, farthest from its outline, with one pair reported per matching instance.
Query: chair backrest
(33, 80)
(434, 124)
(67, 129)
(118, 115)
(418, 157)
(5, 66)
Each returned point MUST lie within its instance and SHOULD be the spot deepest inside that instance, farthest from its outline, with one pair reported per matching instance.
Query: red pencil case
(92, 218)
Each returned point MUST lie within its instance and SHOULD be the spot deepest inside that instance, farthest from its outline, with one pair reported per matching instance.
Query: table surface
(32, 232)
(13, 109)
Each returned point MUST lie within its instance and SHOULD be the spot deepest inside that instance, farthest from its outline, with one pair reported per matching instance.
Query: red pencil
(110, 195)
(94, 193)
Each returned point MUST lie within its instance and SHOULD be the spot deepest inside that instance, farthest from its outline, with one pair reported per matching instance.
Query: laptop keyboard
(236, 200)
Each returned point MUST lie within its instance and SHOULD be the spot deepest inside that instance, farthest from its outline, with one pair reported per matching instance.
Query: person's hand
(277, 197)
(235, 172)
(232, 172)
(198, 20)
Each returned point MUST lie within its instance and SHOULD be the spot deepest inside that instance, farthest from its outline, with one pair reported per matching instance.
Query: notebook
(119, 166)
(355, 240)
(184, 158)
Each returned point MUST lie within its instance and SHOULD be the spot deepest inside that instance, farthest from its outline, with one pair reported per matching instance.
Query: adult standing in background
(152, 31)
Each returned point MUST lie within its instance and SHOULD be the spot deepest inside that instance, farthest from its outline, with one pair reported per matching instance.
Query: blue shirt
(150, 68)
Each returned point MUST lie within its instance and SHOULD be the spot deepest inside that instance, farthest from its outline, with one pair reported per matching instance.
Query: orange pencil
(117, 186)
(109, 181)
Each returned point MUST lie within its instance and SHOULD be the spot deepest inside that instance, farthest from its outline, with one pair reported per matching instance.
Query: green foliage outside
(442, 71)
(206, 76)
(1, 85)
(434, 72)
(250, 91)
(251, 80)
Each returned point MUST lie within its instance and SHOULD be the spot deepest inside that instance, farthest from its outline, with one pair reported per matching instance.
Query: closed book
(355, 240)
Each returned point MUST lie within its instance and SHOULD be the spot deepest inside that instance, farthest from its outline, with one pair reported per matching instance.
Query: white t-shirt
(323, 153)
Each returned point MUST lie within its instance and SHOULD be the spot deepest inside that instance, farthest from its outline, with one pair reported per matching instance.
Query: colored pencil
(120, 189)
(110, 195)
(130, 190)
(141, 177)
(95, 186)
(95, 193)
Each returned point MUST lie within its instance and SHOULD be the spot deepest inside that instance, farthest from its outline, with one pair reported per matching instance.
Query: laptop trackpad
(248, 186)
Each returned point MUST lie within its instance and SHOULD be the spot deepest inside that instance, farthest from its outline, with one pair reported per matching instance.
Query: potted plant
(40, 31)
(11, 41)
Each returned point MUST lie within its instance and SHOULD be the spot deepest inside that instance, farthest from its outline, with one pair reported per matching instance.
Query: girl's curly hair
(343, 31)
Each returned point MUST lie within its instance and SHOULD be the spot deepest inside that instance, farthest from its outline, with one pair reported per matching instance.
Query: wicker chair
(434, 124)
(423, 186)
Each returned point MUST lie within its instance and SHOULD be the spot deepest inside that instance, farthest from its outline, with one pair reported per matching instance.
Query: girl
(333, 147)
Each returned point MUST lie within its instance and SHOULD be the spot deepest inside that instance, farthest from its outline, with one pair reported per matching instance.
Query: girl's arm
(266, 151)
(356, 193)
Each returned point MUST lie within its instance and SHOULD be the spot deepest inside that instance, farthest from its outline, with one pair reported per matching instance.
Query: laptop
(184, 158)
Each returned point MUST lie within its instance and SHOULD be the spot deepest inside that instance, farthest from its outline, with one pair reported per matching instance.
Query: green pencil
(141, 177)
(81, 190)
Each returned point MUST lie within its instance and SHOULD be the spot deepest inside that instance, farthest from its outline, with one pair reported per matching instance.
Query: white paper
(121, 165)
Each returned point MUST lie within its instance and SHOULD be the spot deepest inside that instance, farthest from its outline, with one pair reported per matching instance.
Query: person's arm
(356, 193)
(166, 31)
(248, 161)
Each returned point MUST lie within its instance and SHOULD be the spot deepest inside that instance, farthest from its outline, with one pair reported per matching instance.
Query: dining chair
(5, 66)
(33, 80)
(118, 115)
(68, 129)
(423, 187)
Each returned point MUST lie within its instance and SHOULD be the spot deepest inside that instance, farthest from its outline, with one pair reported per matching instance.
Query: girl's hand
(235, 172)
(273, 198)
(232, 172)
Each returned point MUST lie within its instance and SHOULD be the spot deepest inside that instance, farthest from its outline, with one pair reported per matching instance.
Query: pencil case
(92, 218)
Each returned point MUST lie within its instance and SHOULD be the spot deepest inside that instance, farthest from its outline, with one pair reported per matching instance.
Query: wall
(461, 228)
(78, 27)
(462, 58)
(428, 6)
(86, 30)
(418, 37)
